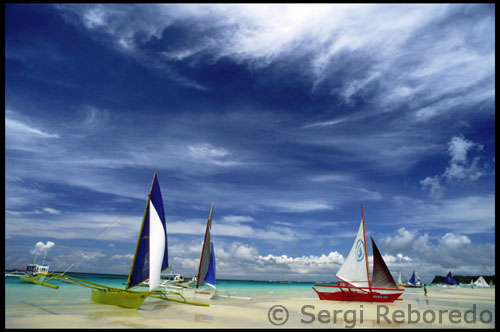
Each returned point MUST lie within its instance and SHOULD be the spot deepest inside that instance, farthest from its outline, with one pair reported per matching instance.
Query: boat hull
(191, 292)
(126, 299)
(353, 294)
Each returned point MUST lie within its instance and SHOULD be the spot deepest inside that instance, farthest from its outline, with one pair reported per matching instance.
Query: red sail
(381, 276)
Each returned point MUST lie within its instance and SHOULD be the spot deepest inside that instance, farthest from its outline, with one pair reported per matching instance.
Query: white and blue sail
(151, 254)
(206, 270)
(415, 280)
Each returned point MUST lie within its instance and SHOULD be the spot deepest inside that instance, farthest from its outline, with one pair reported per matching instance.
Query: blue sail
(210, 276)
(455, 282)
(449, 280)
(207, 259)
(154, 218)
(412, 279)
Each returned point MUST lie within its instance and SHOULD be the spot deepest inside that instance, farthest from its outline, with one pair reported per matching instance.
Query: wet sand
(267, 309)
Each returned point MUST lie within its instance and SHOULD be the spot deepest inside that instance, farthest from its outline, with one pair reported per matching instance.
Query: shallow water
(29, 305)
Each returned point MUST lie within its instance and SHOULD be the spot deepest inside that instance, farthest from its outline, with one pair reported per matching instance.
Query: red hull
(352, 294)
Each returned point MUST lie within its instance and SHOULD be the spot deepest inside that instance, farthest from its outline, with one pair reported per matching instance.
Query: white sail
(156, 247)
(400, 278)
(419, 282)
(354, 270)
(480, 282)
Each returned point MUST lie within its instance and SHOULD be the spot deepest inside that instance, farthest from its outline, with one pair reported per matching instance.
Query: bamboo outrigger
(150, 258)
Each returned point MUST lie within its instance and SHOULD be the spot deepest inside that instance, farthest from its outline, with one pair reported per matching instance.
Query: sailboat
(414, 281)
(400, 282)
(480, 282)
(450, 280)
(150, 258)
(206, 270)
(355, 282)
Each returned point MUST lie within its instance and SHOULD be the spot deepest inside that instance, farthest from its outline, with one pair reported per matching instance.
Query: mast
(140, 234)
(366, 250)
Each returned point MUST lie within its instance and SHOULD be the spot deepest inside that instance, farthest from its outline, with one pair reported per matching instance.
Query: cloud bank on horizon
(288, 116)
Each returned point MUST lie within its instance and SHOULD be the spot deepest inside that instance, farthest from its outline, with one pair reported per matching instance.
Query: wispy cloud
(471, 214)
(449, 251)
(461, 168)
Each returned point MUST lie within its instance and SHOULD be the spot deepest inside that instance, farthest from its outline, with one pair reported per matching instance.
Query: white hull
(190, 292)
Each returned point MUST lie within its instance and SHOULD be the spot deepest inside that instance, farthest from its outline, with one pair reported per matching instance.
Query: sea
(18, 291)
(28, 305)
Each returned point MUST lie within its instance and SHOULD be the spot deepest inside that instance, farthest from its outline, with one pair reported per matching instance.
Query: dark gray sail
(381, 276)
(205, 252)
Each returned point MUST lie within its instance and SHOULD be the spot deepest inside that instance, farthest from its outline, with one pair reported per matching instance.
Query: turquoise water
(18, 291)
(28, 305)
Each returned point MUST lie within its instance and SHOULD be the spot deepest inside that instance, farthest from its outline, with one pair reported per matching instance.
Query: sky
(288, 116)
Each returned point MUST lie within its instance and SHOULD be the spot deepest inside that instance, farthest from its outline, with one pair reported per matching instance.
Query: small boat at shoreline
(203, 285)
(33, 273)
(414, 281)
(450, 280)
(356, 284)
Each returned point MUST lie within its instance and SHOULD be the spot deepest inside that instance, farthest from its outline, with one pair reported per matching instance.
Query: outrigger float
(150, 259)
(356, 284)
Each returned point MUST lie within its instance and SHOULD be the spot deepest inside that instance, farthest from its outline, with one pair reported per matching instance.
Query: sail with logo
(356, 284)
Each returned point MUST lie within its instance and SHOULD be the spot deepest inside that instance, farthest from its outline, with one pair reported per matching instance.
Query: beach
(271, 305)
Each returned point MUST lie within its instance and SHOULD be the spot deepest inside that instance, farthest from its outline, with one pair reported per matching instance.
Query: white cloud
(51, 210)
(460, 168)
(409, 250)
(454, 240)
(42, 248)
(127, 257)
(332, 178)
(16, 128)
(237, 219)
(458, 147)
(205, 152)
(433, 184)
(299, 205)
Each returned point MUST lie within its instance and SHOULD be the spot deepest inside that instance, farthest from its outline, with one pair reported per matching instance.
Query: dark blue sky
(289, 117)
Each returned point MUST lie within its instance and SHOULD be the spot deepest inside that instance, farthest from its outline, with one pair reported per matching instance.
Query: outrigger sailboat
(195, 288)
(33, 273)
(400, 282)
(356, 284)
(450, 280)
(150, 258)
(414, 281)
(206, 270)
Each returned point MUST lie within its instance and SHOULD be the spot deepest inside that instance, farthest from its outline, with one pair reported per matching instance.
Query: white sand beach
(474, 308)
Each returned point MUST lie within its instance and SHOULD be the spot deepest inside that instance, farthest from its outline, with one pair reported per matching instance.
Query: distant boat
(400, 282)
(356, 284)
(450, 280)
(206, 270)
(194, 288)
(414, 281)
(480, 282)
(33, 273)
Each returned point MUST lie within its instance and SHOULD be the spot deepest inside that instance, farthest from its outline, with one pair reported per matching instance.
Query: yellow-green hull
(120, 298)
